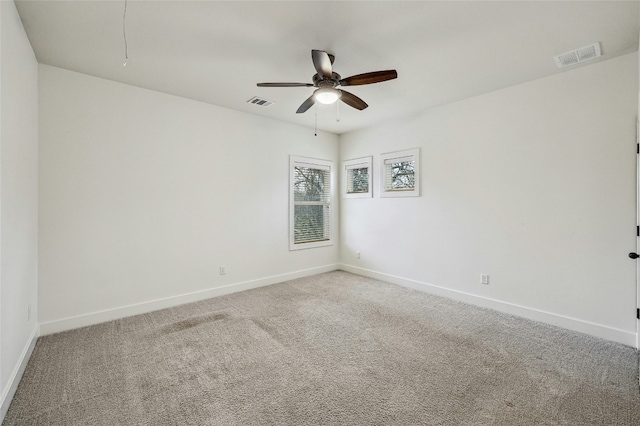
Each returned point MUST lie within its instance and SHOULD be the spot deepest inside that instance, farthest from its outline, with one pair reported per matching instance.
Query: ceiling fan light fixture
(327, 95)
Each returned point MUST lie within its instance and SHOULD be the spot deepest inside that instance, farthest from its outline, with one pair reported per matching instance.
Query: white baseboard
(12, 385)
(597, 330)
(92, 318)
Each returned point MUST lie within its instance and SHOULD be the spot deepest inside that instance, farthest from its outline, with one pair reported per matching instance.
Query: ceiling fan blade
(306, 104)
(322, 62)
(369, 78)
(285, 85)
(352, 100)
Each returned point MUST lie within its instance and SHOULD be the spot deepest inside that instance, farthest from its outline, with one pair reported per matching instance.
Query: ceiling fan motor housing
(322, 82)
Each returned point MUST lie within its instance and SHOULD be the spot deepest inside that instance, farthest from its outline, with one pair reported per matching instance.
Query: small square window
(400, 174)
(357, 178)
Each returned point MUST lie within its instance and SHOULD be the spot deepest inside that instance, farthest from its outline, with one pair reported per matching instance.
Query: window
(310, 203)
(400, 174)
(357, 178)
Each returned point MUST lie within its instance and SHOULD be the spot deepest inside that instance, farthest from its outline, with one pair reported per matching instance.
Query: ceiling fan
(327, 82)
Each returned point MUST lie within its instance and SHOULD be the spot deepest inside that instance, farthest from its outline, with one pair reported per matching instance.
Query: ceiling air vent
(586, 53)
(260, 102)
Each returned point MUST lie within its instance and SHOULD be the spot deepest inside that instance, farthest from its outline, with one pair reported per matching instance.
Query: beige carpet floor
(333, 349)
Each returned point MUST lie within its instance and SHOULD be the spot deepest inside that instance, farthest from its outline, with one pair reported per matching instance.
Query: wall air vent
(260, 102)
(586, 53)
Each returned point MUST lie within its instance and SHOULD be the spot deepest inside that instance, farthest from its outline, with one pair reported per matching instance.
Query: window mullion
(310, 200)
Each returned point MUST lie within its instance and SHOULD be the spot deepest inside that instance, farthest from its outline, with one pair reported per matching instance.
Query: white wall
(18, 200)
(533, 185)
(144, 195)
(638, 239)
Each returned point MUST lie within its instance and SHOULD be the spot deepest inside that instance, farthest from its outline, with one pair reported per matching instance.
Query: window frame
(321, 165)
(357, 163)
(400, 156)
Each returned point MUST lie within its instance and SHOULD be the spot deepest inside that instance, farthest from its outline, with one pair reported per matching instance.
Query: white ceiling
(216, 52)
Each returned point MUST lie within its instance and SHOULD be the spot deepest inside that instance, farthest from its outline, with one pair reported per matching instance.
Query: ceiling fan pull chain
(124, 34)
(337, 112)
(315, 128)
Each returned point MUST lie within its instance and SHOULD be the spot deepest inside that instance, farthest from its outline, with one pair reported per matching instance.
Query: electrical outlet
(357, 255)
(223, 270)
(484, 279)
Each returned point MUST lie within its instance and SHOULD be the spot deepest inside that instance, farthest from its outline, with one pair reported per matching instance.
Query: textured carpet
(333, 349)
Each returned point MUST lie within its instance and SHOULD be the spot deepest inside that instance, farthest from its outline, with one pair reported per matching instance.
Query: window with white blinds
(400, 174)
(310, 200)
(357, 178)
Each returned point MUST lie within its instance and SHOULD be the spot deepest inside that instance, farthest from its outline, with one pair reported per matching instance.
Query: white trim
(16, 374)
(97, 317)
(598, 330)
(357, 163)
(314, 163)
(638, 237)
(396, 157)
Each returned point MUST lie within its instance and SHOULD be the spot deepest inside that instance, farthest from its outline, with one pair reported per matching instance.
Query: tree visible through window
(311, 198)
(358, 180)
(400, 173)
